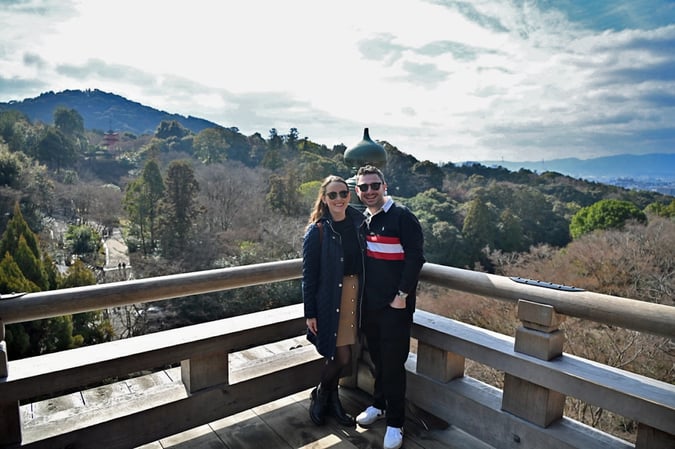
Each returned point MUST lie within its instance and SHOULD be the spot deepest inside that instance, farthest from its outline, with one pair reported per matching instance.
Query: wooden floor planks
(286, 424)
(281, 424)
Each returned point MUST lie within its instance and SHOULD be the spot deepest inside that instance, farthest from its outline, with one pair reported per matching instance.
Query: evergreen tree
(179, 208)
(141, 202)
(21, 243)
(479, 229)
(12, 279)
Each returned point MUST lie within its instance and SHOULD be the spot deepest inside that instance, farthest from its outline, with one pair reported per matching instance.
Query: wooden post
(651, 438)
(204, 371)
(437, 363)
(10, 415)
(539, 337)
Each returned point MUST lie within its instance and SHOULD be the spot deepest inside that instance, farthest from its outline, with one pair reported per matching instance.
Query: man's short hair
(370, 170)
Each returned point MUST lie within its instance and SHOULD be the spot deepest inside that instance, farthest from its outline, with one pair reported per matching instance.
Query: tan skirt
(347, 331)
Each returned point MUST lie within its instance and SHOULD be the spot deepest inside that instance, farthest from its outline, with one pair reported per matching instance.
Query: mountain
(103, 111)
(603, 169)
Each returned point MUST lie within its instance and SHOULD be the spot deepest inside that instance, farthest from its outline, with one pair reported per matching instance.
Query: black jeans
(387, 334)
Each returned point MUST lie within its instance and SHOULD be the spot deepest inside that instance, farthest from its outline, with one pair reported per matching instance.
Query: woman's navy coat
(322, 273)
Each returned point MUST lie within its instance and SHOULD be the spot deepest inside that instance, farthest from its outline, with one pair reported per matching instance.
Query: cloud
(381, 48)
(440, 79)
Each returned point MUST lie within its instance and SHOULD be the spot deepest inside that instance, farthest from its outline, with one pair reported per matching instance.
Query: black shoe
(318, 405)
(335, 410)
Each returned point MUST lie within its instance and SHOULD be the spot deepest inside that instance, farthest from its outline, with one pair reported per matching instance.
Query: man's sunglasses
(343, 194)
(372, 185)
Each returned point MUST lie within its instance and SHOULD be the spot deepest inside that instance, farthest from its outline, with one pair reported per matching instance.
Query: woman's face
(337, 198)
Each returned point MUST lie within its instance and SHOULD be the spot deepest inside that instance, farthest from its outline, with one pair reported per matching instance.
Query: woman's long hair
(321, 208)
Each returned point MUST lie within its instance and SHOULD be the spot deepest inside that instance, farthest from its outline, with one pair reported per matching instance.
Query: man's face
(371, 197)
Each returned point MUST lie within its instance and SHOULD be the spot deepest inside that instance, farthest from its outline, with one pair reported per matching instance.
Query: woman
(332, 279)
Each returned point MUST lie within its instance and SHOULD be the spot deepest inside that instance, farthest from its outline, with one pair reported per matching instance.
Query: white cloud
(442, 80)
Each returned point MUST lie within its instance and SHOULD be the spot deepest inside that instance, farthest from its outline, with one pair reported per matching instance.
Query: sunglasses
(372, 185)
(343, 194)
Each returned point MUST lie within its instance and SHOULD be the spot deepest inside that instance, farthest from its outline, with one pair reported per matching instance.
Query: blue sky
(442, 80)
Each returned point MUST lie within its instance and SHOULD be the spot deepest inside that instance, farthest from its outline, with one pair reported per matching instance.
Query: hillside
(102, 111)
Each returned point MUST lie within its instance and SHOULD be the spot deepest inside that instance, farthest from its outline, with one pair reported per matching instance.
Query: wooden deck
(286, 424)
(280, 424)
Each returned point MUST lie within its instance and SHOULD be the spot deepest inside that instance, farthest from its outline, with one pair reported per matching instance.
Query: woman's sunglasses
(373, 185)
(343, 194)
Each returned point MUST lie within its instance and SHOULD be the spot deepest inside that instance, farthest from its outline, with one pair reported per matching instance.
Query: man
(394, 259)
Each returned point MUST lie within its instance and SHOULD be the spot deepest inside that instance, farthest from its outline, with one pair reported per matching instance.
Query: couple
(360, 271)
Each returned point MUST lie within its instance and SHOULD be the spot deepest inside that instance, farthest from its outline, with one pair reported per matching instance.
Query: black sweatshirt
(395, 255)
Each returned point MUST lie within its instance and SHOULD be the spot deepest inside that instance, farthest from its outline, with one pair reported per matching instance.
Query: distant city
(649, 172)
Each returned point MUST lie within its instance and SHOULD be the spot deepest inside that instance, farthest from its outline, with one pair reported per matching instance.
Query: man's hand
(398, 302)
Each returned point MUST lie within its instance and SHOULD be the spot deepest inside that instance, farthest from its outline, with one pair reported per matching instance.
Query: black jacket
(322, 273)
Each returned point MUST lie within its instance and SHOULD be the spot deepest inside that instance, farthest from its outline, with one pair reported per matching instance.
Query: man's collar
(389, 201)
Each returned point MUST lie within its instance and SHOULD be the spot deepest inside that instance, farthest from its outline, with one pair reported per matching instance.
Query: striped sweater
(394, 256)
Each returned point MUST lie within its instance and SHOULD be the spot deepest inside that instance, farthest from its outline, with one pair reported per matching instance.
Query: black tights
(330, 375)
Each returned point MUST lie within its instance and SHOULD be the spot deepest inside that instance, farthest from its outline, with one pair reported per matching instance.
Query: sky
(442, 80)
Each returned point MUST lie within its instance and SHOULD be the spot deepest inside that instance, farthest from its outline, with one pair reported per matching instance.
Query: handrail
(657, 319)
(628, 313)
(48, 304)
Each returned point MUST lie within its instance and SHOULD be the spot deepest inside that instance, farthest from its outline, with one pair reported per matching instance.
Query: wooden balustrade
(528, 413)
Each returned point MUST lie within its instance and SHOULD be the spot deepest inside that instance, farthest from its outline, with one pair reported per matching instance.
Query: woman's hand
(311, 325)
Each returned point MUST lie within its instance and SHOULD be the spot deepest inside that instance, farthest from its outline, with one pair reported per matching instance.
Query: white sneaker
(369, 416)
(393, 438)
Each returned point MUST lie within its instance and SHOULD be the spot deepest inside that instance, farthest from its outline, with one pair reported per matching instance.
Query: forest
(187, 201)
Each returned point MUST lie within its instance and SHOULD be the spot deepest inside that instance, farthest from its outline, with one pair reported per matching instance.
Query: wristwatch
(402, 295)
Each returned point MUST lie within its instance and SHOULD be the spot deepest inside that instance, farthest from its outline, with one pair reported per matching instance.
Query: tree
(23, 269)
(479, 224)
(135, 206)
(69, 122)
(661, 209)
(168, 129)
(83, 239)
(605, 214)
(25, 182)
(173, 136)
(292, 139)
(479, 230)
(510, 232)
(17, 131)
(272, 160)
(141, 202)
(179, 208)
(88, 327)
(21, 243)
(275, 140)
(226, 191)
(210, 146)
(284, 195)
(153, 191)
(55, 149)
(12, 279)
(428, 175)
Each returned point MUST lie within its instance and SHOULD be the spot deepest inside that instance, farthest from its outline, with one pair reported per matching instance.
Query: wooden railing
(528, 413)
